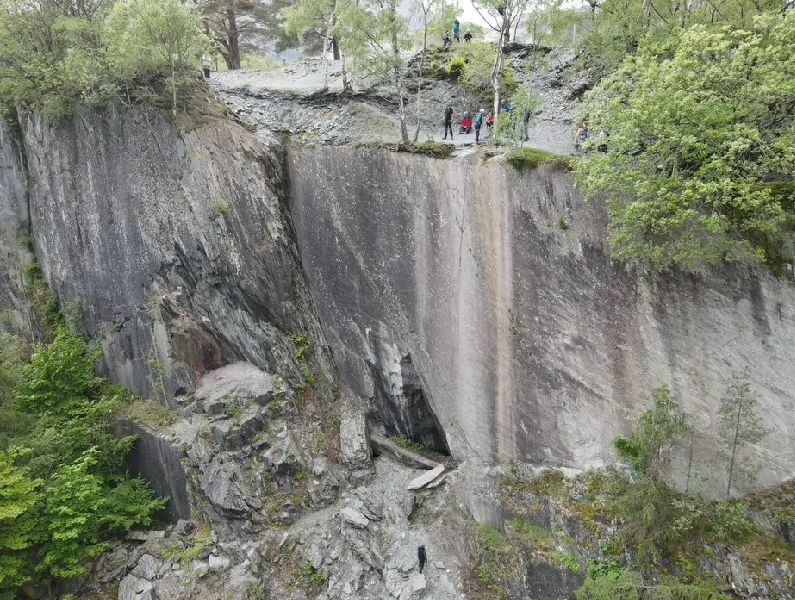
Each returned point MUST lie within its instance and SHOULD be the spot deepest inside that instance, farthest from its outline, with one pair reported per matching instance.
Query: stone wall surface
(14, 229)
(525, 338)
(175, 244)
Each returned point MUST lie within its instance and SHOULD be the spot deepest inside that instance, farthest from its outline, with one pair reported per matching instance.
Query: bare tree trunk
(496, 76)
(233, 35)
(335, 47)
(689, 461)
(734, 450)
(422, 61)
(173, 88)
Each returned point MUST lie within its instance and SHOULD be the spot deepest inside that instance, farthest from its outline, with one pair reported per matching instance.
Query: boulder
(284, 457)
(132, 588)
(426, 478)
(147, 567)
(219, 484)
(183, 527)
(355, 450)
(239, 381)
(414, 588)
(218, 563)
(354, 517)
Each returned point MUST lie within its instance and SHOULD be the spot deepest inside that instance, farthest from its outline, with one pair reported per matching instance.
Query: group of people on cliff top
(467, 123)
(446, 41)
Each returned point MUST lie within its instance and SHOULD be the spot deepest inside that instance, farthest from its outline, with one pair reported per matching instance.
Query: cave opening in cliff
(405, 410)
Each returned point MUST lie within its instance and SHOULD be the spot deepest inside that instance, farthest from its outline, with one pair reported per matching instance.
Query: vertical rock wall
(528, 341)
(175, 244)
(14, 232)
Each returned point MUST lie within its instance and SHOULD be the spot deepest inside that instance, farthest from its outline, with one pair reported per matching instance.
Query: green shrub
(64, 487)
(408, 444)
(456, 67)
(567, 560)
(530, 158)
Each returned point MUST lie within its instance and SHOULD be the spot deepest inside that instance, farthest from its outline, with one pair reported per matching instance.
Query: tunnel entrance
(402, 408)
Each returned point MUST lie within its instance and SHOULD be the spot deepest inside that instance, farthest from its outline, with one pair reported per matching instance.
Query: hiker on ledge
(466, 124)
(448, 122)
(421, 556)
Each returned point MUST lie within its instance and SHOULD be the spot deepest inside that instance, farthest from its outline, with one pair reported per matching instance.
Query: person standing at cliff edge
(478, 124)
(457, 31)
(448, 122)
(206, 66)
(421, 556)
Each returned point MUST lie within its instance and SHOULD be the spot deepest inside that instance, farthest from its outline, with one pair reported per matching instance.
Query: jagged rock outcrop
(527, 340)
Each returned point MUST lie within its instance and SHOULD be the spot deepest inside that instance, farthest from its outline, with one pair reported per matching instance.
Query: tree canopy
(699, 132)
(54, 55)
(64, 488)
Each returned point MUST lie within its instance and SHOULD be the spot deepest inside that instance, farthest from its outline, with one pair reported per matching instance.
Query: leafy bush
(624, 584)
(567, 560)
(404, 442)
(700, 132)
(456, 67)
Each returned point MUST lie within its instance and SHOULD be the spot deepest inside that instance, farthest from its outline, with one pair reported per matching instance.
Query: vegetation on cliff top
(55, 55)
(64, 487)
(698, 127)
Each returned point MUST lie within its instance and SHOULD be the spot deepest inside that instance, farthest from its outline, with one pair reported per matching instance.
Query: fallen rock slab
(354, 517)
(387, 447)
(426, 478)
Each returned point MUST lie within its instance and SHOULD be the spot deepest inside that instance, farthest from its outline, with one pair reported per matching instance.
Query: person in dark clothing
(448, 122)
(421, 555)
(468, 36)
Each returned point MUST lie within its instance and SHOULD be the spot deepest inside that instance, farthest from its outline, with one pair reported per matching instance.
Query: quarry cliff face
(476, 308)
(175, 245)
(526, 340)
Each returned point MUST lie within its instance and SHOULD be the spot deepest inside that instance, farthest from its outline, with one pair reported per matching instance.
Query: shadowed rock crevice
(403, 409)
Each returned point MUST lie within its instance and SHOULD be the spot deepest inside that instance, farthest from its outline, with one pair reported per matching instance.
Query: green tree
(235, 25)
(701, 147)
(19, 494)
(377, 38)
(318, 18)
(740, 424)
(64, 488)
(503, 16)
(148, 35)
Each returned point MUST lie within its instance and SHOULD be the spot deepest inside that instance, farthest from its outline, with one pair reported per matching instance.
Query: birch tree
(502, 16)
(377, 39)
(740, 424)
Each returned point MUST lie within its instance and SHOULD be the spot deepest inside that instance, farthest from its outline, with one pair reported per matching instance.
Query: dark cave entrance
(408, 411)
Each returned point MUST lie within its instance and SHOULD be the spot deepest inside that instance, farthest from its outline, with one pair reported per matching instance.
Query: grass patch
(530, 158)
(149, 413)
(428, 148)
(218, 210)
(407, 444)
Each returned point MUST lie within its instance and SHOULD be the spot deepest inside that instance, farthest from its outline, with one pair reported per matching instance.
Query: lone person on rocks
(421, 556)
(448, 122)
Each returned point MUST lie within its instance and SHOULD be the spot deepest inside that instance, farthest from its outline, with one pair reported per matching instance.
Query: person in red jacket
(466, 123)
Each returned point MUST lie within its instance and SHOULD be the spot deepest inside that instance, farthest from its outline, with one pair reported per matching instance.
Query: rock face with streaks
(525, 340)
(475, 308)
(176, 244)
